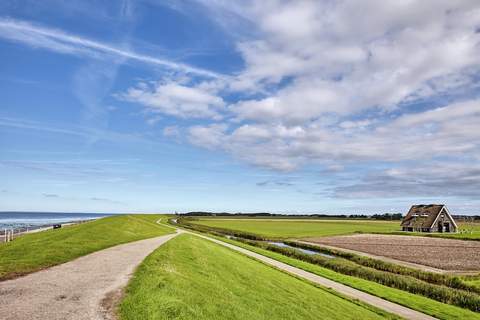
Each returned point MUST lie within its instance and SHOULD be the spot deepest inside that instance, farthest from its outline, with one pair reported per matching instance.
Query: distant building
(429, 218)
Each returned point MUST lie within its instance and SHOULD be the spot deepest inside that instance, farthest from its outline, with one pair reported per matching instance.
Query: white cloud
(210, 137)
(450, 131)
(178, 99)
(342, 80)
(341, 84)
(342, 62)
(437, 179)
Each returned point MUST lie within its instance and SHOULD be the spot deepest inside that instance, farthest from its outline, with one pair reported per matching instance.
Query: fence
(8, 235)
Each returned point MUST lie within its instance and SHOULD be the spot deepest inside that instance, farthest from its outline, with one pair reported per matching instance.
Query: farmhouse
(429, 218)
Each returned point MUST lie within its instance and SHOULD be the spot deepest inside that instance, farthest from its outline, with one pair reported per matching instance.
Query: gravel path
(85, 288)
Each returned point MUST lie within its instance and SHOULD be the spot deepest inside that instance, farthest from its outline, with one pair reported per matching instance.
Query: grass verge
(36, 251)
(193, 278)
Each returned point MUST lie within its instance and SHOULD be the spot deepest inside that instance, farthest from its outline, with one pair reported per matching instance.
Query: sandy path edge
(81, 289)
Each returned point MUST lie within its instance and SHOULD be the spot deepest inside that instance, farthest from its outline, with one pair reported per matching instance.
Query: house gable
(445, 214)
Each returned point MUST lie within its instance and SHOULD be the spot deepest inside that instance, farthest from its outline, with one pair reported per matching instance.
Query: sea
(33, 220)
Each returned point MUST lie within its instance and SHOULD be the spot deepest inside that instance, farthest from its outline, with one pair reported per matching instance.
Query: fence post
(5, 235)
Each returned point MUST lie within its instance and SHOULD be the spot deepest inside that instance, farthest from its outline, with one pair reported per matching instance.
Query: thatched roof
(423, 215)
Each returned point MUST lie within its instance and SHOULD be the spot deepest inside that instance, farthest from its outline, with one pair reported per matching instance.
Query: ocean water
(21, 220)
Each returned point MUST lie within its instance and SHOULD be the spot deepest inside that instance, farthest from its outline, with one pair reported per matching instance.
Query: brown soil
(446, 254)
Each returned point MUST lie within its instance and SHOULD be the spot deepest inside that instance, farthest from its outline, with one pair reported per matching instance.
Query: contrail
(60, 41)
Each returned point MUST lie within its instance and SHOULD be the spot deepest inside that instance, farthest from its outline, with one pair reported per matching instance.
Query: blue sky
(279, 106)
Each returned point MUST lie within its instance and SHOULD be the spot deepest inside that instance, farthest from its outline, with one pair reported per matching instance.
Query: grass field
(192, 278)
(301, 228)
(304, 228)
(36, 251)
(413, 301)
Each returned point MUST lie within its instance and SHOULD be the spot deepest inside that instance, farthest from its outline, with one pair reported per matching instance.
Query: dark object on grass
(57, 226)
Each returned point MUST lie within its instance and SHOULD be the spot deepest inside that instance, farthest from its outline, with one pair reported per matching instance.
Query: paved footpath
(388, 306)
(83, 289)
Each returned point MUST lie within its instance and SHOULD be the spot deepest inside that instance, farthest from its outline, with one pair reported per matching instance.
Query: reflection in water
(284, 245)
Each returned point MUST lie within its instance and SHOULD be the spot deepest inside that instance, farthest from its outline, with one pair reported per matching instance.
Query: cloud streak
(62, 42)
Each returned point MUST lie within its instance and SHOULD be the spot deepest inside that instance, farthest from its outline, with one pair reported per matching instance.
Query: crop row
(430, 277)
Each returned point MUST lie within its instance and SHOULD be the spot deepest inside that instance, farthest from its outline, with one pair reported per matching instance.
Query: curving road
(83, 289)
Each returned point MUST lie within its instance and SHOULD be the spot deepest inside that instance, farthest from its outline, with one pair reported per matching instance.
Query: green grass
(300, 228)
(416, 302)
(193, 278)
(304, 228)
(36, 251)
(474, 281)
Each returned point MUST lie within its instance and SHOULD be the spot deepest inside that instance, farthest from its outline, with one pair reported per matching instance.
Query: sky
(355, 107)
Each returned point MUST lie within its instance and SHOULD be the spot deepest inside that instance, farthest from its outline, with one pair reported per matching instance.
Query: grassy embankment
(36, 251)
(410, 299)
(413, 301)
(192, 278)
(281, 228)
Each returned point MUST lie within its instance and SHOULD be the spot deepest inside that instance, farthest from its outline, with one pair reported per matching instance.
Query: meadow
(193, 278)
(307, 228)
(301, 228)
(36, 251)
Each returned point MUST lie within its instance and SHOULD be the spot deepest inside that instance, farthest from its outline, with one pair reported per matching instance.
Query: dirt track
(445, 254)
(85, 288)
